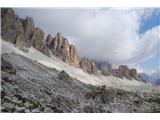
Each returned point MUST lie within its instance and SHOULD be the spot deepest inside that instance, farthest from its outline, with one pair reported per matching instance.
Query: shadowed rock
(29, 29)
(49, 40)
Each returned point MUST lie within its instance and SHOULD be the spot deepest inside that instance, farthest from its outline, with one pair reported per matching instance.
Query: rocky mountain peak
(60, 47)
(29, 27)
(49, 40)
(22, 32)
(124, 71)
(133, 73)
(11, 25)
(88, 66)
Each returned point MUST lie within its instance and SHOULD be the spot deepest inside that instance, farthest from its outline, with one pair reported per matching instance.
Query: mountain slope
(28, 86)
(79, 74)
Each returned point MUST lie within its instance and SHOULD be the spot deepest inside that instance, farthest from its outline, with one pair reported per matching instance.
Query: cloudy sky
(120, 36)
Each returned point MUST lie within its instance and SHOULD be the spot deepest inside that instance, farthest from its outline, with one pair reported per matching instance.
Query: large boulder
(88, 66)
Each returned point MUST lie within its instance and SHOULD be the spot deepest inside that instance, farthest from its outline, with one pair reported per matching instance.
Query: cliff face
(21, 32)
(11, 25)
(124, 71)
(60, 47)
(88, 66)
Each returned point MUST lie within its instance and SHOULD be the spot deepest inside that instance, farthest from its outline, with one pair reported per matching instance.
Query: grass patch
(157, 94)
(21, 98)
(24, 49)
(154, 100)
(33, 106)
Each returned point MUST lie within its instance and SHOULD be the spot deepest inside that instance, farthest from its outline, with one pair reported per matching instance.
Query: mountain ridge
(48, 76)
(25, 34)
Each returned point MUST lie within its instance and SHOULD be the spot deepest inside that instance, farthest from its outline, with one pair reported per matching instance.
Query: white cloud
(140, 69)
(155, 73)
(101, 34)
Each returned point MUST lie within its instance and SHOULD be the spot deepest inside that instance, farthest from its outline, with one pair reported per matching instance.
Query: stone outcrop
(11, 25)
(21, 32)
(19, 41)
(49, 40)
(88, 66)
(60, 47)
(38, 41)
(133, 73)
(65, 51)
(123, 71)
(29, 30)
(73, 55)
(55, 44)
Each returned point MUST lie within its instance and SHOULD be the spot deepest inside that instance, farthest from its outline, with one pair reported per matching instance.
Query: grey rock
(36, 110)
(27, 104)
(123, 71)
(39, 42)
(27, 111)
(29, 29)
(60, 47)
(133, 73)
(74, 56)
(11, 25)
(49, 40)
